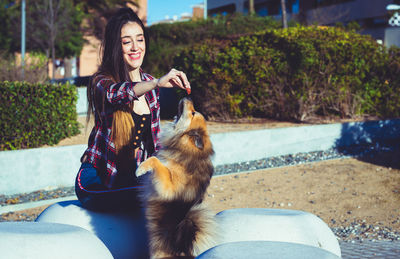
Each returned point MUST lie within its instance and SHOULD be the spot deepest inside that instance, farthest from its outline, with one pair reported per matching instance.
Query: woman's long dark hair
(112, 63)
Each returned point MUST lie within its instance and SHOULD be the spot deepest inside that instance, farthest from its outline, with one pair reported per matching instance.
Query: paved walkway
(369, 249)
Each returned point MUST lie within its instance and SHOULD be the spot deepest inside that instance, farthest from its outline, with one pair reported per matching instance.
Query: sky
(158, 9)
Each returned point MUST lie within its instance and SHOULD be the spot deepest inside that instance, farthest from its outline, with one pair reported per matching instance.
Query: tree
(53, 27)
(284, 16)
(7, 10)
(52, 16)
(251, 7)
(60, 20)
(99, 11)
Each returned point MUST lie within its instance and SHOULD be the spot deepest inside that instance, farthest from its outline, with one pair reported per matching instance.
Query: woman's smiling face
(133, 45)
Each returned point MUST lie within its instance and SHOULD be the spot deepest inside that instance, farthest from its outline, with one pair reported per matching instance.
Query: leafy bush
(36, 114)
(296, 73)
(35, 69)
(166, 40)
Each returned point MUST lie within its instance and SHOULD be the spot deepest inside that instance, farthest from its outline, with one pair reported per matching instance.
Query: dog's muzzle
(181, 107)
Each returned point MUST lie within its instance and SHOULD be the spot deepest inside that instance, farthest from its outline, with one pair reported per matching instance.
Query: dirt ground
(338, 191)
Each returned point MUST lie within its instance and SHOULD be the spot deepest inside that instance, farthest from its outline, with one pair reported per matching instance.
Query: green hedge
(36, 114)
(296, 73)
(166, 40)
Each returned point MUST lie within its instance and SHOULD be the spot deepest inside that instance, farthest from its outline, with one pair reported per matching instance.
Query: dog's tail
(189, 232)
(198, 225)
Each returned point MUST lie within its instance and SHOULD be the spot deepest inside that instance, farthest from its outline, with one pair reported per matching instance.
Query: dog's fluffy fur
(178, 223)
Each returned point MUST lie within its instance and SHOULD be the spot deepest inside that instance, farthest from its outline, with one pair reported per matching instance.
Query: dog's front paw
(142, 170)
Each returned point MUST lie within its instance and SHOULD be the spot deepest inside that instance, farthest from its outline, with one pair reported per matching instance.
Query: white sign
(395, 20)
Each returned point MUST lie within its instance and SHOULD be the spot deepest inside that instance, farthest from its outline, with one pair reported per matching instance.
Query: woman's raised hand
(174, 78)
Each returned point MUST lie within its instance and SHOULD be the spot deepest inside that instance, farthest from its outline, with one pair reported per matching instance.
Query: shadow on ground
(376, 142)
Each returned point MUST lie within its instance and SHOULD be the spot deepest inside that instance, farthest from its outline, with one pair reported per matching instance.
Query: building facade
(372, 15)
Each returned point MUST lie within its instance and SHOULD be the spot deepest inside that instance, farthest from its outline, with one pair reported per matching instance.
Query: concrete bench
(265, 249)
(292, 226)
(125, 234)
(34, 240)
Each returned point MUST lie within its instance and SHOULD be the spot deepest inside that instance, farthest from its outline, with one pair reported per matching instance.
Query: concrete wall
(82, 103)
(40, 168)
(392, 37)
(252, 145)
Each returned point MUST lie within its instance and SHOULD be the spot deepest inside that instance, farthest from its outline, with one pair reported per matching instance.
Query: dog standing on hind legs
(178, 223)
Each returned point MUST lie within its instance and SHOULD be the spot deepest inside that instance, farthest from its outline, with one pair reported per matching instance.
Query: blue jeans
(93, 195)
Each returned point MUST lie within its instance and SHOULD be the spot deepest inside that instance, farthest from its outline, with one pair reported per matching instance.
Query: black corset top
(142, 129)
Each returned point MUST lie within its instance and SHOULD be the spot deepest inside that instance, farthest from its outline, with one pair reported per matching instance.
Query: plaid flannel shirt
(101, 151)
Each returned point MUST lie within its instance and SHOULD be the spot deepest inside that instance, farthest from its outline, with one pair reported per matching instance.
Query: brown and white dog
(178, 223)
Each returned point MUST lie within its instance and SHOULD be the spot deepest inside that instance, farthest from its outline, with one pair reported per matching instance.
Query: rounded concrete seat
(265, 249)
(34, 240)
(123, 233)
(291, 226)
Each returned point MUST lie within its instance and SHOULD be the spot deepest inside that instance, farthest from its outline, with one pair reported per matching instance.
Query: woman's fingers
(174, 78)
(184, 82)
(177, 82)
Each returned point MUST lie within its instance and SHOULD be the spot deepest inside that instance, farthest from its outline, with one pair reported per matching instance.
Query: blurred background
(66, 34)
(292, 60)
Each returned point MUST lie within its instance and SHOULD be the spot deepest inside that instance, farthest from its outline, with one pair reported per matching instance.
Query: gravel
(36, 196)
(370, 152)
(357, 231)
(360, 231)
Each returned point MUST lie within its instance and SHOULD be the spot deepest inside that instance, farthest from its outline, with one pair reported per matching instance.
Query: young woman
(125, 104)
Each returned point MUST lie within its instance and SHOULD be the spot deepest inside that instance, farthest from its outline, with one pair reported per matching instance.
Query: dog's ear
(197, 139)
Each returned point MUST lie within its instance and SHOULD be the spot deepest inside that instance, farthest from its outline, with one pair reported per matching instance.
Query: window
(263, 11)
(274, 7)
(320, 3)
(224, 10)
(295, 6)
